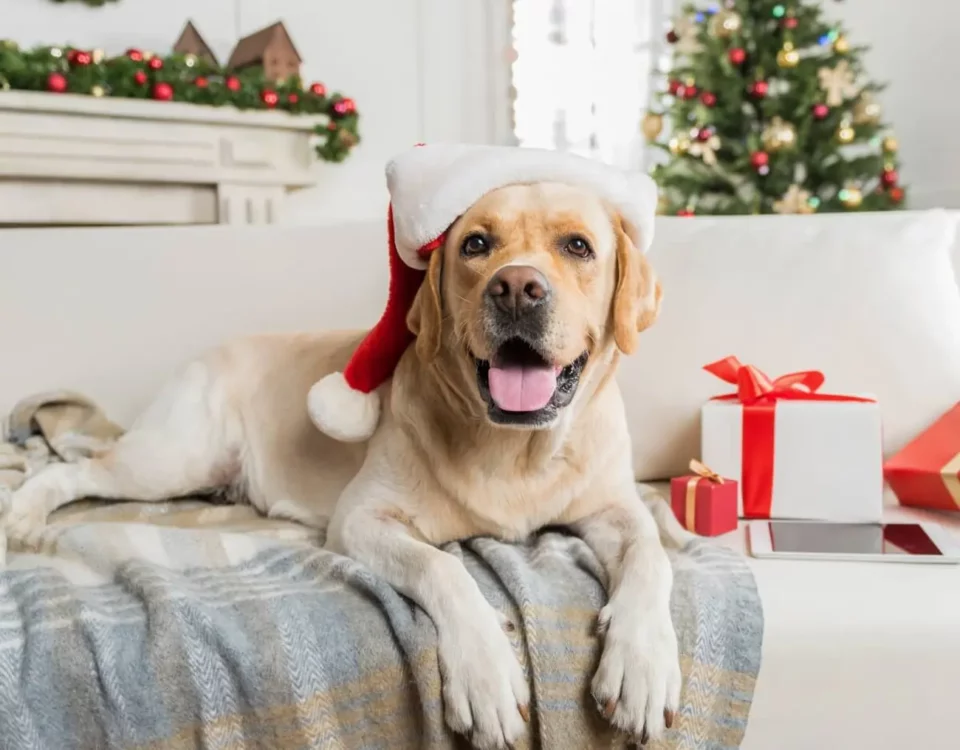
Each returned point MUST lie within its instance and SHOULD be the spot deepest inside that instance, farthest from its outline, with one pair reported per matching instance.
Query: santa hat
(430, 188)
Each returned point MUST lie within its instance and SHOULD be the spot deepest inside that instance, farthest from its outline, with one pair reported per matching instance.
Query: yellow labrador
(503, 417)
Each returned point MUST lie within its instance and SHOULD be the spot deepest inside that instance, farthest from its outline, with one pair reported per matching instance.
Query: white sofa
(855, 655)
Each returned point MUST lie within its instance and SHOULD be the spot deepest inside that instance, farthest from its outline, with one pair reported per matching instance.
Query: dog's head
(533, 284)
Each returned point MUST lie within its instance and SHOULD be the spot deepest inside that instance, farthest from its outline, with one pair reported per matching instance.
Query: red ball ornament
(162, 92)
(889, 178)
(79, 58)
(685, 212)
(350, 105)
(705, 134)
(690, 92)
(340, 107)
(56, 83)
(672, 37)
(820, 111)
(293, 98)
(140, 78)
(232, 83)
(201, 82)
(759, 89)
(709, 99)
(332, 126)
(135, 55)
(155, 63)
(738, 55)
(896, 194)
(759, 159)
(318, 89)
(790, 22)
(674, 87)
(269, 97)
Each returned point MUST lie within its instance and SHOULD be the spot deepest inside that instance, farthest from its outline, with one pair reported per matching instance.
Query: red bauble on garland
(201, 82)
(896, 194)
(344, 107)
(140, 78)
(293, 98)
(759, 89)
(705, 134)
(889, 178)
(318, 89)
(738, 55)
(135, 55)
(690, 92)
(232, 83)
(155, 63)
(708, 98)
(79, 58)
(759, 159)
(269, 97)
(674, 87)
(820, 111)
(56, 83)
(685, 212)
(162, 92)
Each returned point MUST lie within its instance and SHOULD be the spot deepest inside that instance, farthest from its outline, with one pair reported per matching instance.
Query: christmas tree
(768, 111)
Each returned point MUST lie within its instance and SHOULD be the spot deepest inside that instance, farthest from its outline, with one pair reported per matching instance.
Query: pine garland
(180, 78)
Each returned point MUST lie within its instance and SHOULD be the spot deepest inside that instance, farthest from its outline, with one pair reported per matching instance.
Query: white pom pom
(341, 412)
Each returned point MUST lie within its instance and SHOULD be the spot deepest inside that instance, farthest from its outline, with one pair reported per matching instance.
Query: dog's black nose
(517, 290)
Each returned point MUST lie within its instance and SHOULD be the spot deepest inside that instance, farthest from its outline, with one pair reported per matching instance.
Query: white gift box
(827, 458)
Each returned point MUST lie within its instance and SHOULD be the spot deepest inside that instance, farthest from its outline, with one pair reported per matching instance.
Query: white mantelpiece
(68, 160)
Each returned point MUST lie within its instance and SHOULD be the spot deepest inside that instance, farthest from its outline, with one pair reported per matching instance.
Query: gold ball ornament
(779, 135)
(724, 24)
(891, 145)
(841, 45)
(652, 126)
(190, 60)
(788, 56)
(846, 133)
(851, 196)
(866, 111)
(679, 145)
(97, 91)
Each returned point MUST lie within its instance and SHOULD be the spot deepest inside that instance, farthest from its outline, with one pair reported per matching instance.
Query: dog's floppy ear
(636, 302)
(426, 314)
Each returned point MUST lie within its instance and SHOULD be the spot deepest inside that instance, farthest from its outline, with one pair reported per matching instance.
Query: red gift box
(926, 473)
(704, 502)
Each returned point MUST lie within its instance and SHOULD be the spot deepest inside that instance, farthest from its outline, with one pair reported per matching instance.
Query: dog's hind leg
(187, 441)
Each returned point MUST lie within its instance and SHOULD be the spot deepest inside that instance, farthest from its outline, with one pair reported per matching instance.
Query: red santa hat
(430, 188)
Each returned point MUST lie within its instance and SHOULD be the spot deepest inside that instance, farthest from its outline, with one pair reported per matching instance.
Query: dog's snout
(517, 290)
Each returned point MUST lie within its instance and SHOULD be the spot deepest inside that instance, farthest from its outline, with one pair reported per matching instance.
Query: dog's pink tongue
(522, 388)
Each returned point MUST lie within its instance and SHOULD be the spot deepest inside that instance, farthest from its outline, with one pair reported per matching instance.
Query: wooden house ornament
(272, 48)
(191, 43)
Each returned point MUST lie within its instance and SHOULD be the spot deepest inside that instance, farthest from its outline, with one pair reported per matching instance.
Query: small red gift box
(926, 473)
(704, 502)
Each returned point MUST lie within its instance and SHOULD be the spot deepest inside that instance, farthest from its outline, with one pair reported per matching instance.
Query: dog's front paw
(485, 692)
(25, 516)
(637, 685)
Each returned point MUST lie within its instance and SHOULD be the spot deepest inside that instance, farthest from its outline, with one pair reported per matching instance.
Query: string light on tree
(841, 46)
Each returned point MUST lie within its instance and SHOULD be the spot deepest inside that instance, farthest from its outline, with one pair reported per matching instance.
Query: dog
(503, 417)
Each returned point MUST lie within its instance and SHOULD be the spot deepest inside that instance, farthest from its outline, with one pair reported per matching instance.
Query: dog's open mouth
(522, 387)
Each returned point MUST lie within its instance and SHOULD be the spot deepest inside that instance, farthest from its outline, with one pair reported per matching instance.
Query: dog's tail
(672, 533)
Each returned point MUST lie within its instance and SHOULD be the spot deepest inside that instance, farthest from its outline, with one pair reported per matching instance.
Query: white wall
(420, 70)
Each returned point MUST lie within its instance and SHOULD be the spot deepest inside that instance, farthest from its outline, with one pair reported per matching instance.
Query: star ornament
(839, 83)
(688, 36)
(706, 150)
(795, 201)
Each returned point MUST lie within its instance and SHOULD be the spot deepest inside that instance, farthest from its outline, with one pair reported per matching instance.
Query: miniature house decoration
(272, 48)
(191, 43)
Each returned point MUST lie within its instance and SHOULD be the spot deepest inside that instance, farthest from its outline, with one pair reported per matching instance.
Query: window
(582, 74)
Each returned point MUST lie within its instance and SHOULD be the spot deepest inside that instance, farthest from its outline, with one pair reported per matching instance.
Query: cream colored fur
(437, 470)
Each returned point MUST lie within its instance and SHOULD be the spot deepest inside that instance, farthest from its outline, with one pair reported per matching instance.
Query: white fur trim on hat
(341, 412)
(431, 186)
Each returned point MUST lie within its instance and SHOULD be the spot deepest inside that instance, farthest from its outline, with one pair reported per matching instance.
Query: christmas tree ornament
(56, 83)
(779, 135)
(703, 134)
(891, 145)
(759, 89)
(841, 46)
(686, 212)
(820, 111)
(724, 24)
(155, 63)
(788, 56)
(738, 55)
(98, 56)
(795, 201)
(135, 55)
(293, 98)
(79, 58)
(706, 147)
(690, 92)
(672, 37)
(190, 60)
(759, 159)
(679, 145)
(839, 83)
(687, 33)
(318, 89)
(140, 78)
(652, 126)
(845, 133)
(430, 187)
(97, 91)
(56, 52)
(709, 99)
(674, 86)
(889, 178)
(896, 195)
(269, 97)
(814, 202)
(850, 196)
(232, 83)
(867, 110)
(201, 82)
(162, 92)
(790, 22)
(778, 11)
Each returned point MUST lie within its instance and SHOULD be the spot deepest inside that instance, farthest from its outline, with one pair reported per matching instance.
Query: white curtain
(583, 72)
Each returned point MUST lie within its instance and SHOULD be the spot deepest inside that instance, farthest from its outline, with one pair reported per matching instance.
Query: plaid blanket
(186, 625)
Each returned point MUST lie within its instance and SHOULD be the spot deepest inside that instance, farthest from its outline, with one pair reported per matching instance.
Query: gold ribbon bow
(700, 471)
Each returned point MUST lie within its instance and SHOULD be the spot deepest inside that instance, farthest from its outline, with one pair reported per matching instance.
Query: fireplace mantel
(78, 160)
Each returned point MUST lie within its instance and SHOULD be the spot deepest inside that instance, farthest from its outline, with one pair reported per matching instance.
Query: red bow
(753, 385)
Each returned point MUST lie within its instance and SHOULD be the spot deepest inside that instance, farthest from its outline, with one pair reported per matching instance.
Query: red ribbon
(759, 395)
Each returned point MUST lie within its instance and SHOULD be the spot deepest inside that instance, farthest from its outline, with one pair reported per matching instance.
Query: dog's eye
(475, 244)
(578, 247)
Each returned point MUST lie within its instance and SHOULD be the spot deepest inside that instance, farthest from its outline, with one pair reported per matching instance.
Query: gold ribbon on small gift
(700, 471)
(951, 477)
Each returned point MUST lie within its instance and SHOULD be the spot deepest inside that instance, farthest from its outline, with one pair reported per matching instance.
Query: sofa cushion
(869, 299)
